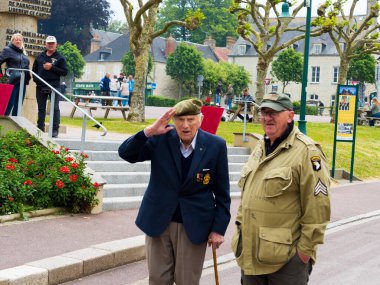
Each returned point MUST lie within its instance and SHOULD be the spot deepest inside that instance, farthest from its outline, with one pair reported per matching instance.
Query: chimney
(210, 42)
(170, 45)
(230, 41)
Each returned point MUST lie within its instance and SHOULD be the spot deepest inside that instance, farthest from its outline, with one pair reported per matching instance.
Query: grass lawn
(367, 148)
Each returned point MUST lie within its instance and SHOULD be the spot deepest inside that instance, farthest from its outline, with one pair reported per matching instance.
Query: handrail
(52, 98)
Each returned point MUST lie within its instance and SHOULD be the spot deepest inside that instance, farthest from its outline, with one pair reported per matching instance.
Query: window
(242, 49)
(335, 74)
(315, 71)
(314, 97)
(317, 48)
(101, 56)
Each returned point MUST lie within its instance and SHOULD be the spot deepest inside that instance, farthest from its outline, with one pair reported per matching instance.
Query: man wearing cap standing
(285, 204)
(187, 202)
(50, 65)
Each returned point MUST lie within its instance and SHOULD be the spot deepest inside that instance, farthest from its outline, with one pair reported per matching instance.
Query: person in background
(105, 88)
(114, 89)
(285, 204)
(375, 111)
(131, 83)
(187, 202)
(50, 65)
(124, 91)
(246, 97)
(230, 96)
(218, 93)
(63, 88)
(321, 107)
(14, 55)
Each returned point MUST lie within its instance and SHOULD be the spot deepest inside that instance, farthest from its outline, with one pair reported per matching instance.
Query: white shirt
(187, 151)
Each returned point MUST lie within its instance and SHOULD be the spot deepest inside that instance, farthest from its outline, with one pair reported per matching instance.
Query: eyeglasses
(272, 114)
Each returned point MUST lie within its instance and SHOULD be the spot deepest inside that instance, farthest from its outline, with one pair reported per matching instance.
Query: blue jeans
(372, 122)
(13, 101)
(114, 94)
(217, 99)
(229, 103)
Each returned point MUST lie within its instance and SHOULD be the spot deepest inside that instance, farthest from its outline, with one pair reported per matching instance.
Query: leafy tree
(352, 36)
(74, 59)
(184, 65)
(141, 28)
(117, 26)
(219, 23)
(265, 34)
(129, 64)
(362, 69)
(227, 73)
(288, 67)
(71, 19)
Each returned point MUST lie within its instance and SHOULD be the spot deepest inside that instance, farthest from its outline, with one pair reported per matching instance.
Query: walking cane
(215, 266)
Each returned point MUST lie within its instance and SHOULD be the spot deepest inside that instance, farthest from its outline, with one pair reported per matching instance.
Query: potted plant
(5, 93)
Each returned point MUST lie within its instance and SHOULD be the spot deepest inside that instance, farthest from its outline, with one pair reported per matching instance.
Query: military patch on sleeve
(320, 188)
(316, 163)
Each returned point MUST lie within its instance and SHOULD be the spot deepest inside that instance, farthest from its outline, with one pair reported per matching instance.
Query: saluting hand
(160, 126)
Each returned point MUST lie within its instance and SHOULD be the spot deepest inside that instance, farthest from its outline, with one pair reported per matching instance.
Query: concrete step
(138, 189)
(122, 203)
(123, 166)
(93, 145)
(140, 177)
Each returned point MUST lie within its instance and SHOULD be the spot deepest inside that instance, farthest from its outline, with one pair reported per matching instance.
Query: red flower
(59, 184)
(30, 162)
(83, 187)
(68, 159)
(55, 151)
(13, 160)
(67, 149)
(64, 169)
(74, 165)
(84, 155)
(96, 185)
(73, 177)
(28, 182)
(10, 198)
(10, 167)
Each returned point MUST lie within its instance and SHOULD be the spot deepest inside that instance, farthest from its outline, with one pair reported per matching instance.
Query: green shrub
(160, 101)
(310, 110)
(40, 177)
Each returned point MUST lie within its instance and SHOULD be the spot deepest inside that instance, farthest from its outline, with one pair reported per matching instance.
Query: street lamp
(284, 11)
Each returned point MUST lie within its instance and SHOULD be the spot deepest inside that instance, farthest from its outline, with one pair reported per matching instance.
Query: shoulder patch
(316, 162)
(320, 188)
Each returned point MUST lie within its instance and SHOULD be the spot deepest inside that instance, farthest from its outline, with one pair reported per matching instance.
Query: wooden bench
(373, 118)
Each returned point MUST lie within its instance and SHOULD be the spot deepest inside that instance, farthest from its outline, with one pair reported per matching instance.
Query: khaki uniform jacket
(285, 205)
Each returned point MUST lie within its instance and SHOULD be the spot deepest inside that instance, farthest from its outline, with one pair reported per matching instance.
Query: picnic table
(240, 109)
(86, 102)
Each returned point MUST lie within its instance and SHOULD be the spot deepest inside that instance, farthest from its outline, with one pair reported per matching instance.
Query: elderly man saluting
(285, 204)
(187, 202)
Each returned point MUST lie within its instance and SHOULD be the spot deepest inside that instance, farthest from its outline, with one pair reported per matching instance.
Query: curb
(76, 264)
(31, 214)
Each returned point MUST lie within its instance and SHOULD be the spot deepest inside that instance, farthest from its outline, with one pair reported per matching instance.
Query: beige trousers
(173, 258)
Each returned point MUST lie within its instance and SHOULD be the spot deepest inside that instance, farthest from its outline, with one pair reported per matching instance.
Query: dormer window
(242, 49)
(317, 48)
(102, 56)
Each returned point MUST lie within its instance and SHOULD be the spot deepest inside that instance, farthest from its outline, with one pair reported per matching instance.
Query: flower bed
(35, 177)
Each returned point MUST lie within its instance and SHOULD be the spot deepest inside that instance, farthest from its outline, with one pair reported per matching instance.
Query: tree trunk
(262, 70)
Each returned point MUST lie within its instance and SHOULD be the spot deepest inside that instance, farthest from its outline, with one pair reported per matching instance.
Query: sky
(361, 8)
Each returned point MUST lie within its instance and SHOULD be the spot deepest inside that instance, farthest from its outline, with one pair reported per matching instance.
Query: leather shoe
(54, 134)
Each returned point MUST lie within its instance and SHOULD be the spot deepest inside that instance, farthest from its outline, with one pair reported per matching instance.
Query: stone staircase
(127, 182)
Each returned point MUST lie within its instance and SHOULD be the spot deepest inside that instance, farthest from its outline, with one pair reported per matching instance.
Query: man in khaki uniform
(285, 204)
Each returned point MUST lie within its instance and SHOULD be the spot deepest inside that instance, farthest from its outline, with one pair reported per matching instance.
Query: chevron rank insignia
(316, 163)
(320, 188)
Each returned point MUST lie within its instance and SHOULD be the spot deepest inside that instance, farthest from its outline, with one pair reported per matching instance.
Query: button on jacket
(285, 205)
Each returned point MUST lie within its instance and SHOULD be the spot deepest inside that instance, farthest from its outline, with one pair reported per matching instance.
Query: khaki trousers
(173, 258)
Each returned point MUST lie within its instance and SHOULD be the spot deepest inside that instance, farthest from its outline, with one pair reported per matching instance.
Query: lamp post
(285, 15)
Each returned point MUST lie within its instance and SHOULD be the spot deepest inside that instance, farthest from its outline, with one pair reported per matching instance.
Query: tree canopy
(287, 67)
(218, 23)
(71, 19)
(362, 69)
(117, 26)
(74, 59)
(184, 65)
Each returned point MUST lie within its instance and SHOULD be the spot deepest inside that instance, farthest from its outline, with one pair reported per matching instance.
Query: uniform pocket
(236, 245)
(275, 245)
(277, 181)
(243, 176)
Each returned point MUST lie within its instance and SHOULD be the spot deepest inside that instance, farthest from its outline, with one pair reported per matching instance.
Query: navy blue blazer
(204, 196)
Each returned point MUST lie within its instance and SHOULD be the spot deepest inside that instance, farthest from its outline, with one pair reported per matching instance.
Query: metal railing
(52, 101)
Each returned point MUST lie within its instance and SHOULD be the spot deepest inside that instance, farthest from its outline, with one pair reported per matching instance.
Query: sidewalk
(72, 237)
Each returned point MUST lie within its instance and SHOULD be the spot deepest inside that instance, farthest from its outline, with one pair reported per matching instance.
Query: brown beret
(188, 107)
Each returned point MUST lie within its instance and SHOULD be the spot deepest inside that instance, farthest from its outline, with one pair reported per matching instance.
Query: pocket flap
(277, 235)
(281, 172)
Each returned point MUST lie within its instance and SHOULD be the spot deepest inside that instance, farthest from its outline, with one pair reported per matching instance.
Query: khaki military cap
(188, 107)
(277, 102)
